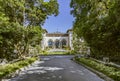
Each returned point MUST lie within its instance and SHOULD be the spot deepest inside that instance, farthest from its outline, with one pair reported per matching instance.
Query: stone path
(56, 68)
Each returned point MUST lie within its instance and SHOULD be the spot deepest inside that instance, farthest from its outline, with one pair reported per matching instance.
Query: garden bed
(111, 72)
(11, 68)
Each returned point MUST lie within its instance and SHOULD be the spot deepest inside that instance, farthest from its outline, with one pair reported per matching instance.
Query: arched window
(64, 43)
(57, 43)
(50, 43)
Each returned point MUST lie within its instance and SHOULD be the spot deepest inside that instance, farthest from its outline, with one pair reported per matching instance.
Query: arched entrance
(50, 43)
(64, 43)
(57, 43)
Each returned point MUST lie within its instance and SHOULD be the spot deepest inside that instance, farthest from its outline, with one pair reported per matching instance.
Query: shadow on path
(56, 68)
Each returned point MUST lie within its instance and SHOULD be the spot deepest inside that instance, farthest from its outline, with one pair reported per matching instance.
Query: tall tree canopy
(34, 12)
(98, 22)
(20, 25)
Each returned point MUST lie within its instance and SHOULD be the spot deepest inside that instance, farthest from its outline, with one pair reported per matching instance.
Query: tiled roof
(57, 35)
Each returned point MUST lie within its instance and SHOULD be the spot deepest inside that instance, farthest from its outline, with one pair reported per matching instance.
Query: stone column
(60, 45)
(54, 45)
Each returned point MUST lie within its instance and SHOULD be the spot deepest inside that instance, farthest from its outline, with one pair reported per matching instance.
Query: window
(50, 43)
(64, 43)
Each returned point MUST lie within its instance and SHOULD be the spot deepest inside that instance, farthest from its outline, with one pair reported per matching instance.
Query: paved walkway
(56, 68)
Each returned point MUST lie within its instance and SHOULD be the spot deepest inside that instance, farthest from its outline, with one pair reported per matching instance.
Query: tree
(97, 21)
(20, 25)
(32, 12)
(37, 11)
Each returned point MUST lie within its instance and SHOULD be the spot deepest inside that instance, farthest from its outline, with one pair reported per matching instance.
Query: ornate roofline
(45, 31)
(57, 35)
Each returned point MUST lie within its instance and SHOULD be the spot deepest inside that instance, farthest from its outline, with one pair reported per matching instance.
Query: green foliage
(34, 33)
(112, 72)
(80, 46)
(20, 25)
(71, 52)
(98, 21)
(10, 68)
(15, 37)
(32, 11)
(37, 11)
(11, 35)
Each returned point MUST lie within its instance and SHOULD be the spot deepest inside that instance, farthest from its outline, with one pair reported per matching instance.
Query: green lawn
(68, 52)
(57, 53)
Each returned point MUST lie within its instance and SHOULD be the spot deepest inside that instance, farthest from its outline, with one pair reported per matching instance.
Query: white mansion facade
(57, 40)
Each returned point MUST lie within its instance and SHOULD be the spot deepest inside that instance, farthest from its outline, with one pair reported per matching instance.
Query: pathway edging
(17, 72)
(101, 75)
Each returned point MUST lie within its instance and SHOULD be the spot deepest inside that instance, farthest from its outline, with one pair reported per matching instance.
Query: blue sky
(63, 21)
